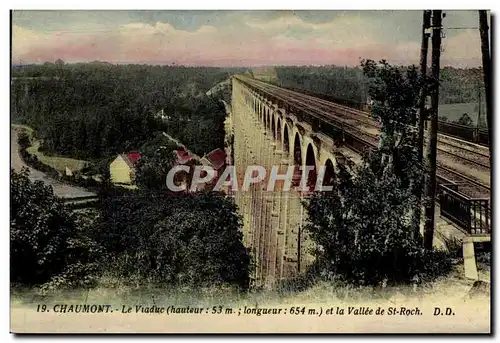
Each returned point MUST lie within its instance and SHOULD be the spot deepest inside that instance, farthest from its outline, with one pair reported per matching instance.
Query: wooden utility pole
(426, 23)
(430, 184)
(479, 117)
(485, 50)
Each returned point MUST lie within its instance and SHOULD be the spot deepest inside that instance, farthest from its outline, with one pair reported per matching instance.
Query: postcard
(284, 171)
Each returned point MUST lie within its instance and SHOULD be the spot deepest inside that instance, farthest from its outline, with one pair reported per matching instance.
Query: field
(59, 163)
(454, 111)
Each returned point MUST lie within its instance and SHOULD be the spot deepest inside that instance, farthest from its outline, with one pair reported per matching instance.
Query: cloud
(343, 31)
(238, 39)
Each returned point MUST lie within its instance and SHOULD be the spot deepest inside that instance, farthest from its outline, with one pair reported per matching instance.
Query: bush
(363, 233)
(188, 240)
(24, 142)
(48, 243)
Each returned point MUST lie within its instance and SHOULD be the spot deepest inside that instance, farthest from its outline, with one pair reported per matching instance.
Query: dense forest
(342, 83)
(348, 85)
(461, 85)
(94, 110)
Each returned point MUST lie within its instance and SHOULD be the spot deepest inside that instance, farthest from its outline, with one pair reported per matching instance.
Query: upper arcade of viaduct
(328, 132)
(296, 140)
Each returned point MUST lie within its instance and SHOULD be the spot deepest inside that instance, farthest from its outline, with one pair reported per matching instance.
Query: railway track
(470, 186)
(367, 114)
(363, 119)
(351, 120)
(321, 113)
(481, 161)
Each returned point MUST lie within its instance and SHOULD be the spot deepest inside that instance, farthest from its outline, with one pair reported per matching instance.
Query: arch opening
(267, 119)
(278, 130)
(297, 161)
(273, 128)
(329, 175)
(286, 141)
(311, 164)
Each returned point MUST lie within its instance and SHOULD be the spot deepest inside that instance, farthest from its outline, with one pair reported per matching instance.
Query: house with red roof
(122, 169)
(184, 156)
(217, 160)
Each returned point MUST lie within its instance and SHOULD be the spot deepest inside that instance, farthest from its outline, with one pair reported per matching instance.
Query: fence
(467, 133)
(471, 214)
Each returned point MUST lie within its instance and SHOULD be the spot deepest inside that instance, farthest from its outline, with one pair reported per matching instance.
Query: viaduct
(273, 126)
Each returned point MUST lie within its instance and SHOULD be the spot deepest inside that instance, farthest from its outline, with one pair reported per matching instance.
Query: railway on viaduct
(273, 126)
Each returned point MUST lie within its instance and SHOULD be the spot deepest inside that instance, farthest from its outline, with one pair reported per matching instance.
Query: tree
(48, 242)
(395, 92)
(104, 172)
(364, 230)
(202, 243)
(465, 120)
(154, 165)
(186, 240)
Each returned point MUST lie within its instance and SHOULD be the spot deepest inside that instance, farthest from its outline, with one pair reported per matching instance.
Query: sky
(238, 38)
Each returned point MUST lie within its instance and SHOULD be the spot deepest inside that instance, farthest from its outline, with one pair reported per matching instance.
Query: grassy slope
(59, 163)
(113, 292)
(454, 111)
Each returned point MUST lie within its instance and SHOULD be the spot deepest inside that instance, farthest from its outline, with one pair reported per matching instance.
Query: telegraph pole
(485, 50)
(430, 184)
(479, 100)
(426, 23)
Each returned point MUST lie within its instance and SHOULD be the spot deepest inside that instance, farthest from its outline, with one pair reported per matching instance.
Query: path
(60, 189)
